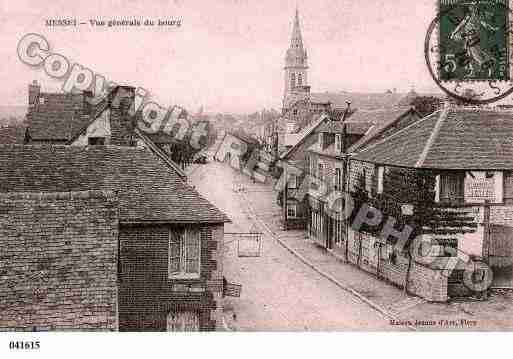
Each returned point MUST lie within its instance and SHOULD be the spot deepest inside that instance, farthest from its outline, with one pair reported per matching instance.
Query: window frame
(444, 179)
(292, 206)
(100, 139)
(337, 179)
(183, 259)
(338, 142)
(292, 181)
(320, 170)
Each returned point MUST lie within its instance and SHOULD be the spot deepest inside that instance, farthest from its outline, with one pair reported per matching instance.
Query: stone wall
(58, 257)
(374, 257)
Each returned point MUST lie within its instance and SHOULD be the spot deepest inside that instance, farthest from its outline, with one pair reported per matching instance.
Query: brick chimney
(122, 122)
(33, 93)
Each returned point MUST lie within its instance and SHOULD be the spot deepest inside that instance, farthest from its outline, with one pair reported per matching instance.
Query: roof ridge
(432, 137)
(307, 133)
(398, 132)
(68, 195)
(65, 146)
(159, 153)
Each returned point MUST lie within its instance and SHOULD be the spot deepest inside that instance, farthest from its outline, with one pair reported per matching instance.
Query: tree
(416, 188)
(426, 105)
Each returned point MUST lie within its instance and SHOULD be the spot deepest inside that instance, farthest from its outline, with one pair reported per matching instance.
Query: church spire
(296, 41)
(296, 65)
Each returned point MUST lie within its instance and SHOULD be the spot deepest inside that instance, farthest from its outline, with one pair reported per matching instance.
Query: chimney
(122, 120)
(33, 93)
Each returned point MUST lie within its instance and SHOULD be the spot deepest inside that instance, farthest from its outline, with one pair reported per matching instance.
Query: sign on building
(481, 186)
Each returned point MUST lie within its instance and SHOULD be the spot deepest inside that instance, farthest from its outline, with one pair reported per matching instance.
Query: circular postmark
(468, 50)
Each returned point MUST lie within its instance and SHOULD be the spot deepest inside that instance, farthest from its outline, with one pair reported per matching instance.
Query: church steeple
(296, 41)
(296, 64)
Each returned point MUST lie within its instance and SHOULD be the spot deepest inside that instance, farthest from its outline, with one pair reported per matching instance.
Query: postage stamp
(468, 49)
(473, 39)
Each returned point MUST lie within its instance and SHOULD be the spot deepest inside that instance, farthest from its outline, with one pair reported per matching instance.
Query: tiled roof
(452, 138)
(303, 135)
(59, 261)
(13, 134)
(384, 121)
(362, 101)
(352, 127)
(59, 117)
(148, 189)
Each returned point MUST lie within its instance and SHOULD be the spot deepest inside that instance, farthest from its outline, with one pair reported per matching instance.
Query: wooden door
(183, 321)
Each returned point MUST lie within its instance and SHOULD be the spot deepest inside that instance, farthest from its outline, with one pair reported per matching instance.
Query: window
(41, 100)
(96, 141)
(299, 80)
(184, 253)
(320, 171)
(312, 166)
(452, 187)
(291, 210)
(338, 232)
(292, 80)
(381, 174)
(338, 179)
(338, 142)
(321, 140)
(292, 182)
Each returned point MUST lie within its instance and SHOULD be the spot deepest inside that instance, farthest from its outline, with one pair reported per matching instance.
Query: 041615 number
(24, 345)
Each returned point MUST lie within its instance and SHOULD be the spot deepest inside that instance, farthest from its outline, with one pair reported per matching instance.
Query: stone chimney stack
(33, 93)
(122, 121)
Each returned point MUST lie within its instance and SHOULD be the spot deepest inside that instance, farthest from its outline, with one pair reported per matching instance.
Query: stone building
(143, 249)
(327, 159)
(76, 119)
(469, 150)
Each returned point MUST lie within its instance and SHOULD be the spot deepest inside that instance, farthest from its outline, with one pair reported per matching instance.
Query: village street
(279, 292)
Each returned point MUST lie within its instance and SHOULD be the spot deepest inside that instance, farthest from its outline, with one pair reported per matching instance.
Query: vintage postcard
(255, 166)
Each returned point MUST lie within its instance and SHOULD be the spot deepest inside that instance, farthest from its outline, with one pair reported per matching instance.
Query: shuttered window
(184, 253)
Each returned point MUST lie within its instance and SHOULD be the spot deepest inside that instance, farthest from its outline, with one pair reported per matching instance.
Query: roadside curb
(332, 279)
(328, 276)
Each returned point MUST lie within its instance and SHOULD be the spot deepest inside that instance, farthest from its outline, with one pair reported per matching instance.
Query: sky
(228, 55)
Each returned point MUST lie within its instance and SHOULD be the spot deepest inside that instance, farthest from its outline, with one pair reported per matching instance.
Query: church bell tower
(296, 67)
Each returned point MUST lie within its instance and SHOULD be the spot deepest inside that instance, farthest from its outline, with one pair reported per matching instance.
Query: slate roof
(12, 134)
(451, 138)
(149, 191)
(59, 261)
(352, 127)
(59, 118)
(303, 135)
(384, 121)
(362, 101)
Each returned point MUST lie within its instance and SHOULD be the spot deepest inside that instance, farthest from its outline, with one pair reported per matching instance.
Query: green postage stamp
(474, 40)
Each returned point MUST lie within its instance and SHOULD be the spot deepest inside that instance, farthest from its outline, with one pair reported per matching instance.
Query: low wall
(368, 254)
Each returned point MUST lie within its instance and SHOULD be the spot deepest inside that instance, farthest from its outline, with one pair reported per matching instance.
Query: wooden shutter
(174, 252)
(192, 251)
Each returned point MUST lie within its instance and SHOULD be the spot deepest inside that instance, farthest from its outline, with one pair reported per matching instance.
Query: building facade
(466, 151)
(164, 239)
